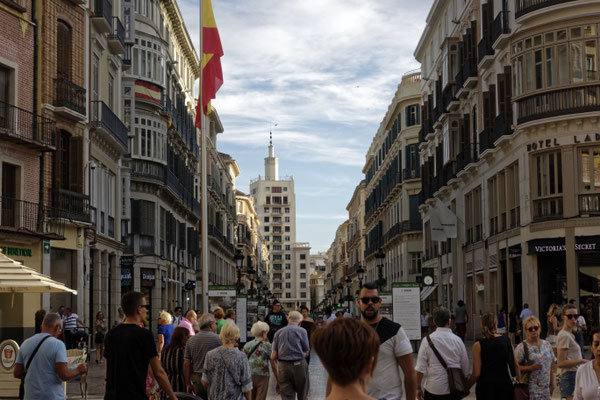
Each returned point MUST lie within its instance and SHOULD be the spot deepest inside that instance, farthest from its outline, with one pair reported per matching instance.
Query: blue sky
(325, 72)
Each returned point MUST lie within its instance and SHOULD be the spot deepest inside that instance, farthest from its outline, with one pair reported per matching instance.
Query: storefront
(588, 262)
(148, 280)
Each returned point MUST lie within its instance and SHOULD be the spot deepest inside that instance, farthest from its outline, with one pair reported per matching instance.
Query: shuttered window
(64, 46)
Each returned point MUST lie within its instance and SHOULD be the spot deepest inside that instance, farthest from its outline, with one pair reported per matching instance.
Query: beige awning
(18, 278)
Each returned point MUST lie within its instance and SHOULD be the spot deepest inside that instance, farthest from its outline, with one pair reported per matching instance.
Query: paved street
(318, 381)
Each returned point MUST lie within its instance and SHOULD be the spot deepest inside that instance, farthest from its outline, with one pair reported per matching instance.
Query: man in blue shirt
(288, 359)
(48, 369)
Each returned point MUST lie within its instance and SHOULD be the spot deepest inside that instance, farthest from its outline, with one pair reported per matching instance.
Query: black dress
(494, 382)
(309, 327)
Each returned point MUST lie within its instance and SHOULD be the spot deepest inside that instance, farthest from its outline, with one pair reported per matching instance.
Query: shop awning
(18, 278)
(426, 291)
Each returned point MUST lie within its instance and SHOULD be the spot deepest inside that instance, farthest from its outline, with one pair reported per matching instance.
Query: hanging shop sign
(125, 276)
(514, 251)
(148, 277)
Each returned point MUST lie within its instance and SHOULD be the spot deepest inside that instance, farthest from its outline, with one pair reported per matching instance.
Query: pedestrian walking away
(226, 374)
(119, 318)
(536, 361)
(461, 318)
(569, 352)
(39, 318)
(348, 349)
(276, 320)
(172, 360)
(195, 352)
(220, 317)
(425, 322)
(129, 351)
(100, 329)
(258, 352)
(552, 326)
(451, 348)
(586, 380)
(513, 325)
(502, 321)
(288, 359)
(330, 316)
(42, 363)
(494, 362)
(165, 330)
(395, 351)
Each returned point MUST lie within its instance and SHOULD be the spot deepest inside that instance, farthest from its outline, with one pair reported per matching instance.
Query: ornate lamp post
(380, 255)
(340, 287)
(361, 274)
(349, 297)
(251, 273)
(239, 261)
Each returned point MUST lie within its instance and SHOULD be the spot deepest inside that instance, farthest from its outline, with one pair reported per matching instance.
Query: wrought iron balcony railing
(25, 127)
(69, 95)
(70, 205)
(19, 216)
(527, 6)
(103, 117)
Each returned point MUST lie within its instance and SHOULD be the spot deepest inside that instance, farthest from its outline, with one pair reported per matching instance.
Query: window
(64, 43)
(276, 210)
(547, 193)
(415, 263)
(287, 238)
(288, 295)
(266, 209)
(303, 256)
(302, 275)
(111, 92)
(512, 194)
(288, 247)
(276, 189)
(287, 210)
(288, 285)
(288, 257)
(302, 266)
(68, 162)
(303, 295)
(266, 229)
(288, 276)
(589, 160)
(288, 266)
(287, 219)
(266, 219)
(412, 115)
(150, 139)
(5, 79)
(287, 228)
(268, 200)
(302, 285)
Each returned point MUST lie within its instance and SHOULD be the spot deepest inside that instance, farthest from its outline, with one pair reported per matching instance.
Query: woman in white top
(587, 382)
(569, 352)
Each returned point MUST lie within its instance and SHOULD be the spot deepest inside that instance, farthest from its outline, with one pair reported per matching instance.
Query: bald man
(188, 321)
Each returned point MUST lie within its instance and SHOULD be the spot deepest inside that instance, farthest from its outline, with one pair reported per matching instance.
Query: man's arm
(410, 380)
(187, 374)
(274, 368)
(19, 371)
(66, 374)
(419, 394)
(161, 377)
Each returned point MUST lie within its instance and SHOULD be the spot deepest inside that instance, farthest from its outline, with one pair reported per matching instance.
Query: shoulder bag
(22, 385)
(253, 349)
(521, 389)
(456, 377)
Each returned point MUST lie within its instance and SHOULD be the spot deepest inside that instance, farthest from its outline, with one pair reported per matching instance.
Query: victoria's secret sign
(557, 245)
(548, 143)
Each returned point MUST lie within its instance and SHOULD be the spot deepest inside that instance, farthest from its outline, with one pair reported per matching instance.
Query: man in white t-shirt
(395, 351)
(329, 315)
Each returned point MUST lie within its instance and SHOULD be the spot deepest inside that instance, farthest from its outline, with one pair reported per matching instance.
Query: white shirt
(587, 386)
(581, 321)
(453, 351)
(330, 319)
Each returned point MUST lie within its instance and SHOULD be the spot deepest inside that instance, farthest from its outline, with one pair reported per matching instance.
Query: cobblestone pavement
(318, 381)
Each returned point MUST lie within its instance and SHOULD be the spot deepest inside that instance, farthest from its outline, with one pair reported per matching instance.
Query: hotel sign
(548, 143)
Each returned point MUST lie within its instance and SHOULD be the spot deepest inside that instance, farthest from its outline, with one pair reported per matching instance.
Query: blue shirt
(166, 330)
(42, 381)
(526, 313)
(290, 343)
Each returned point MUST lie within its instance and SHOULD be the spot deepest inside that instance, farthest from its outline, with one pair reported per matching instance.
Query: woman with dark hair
(587, 383)
(348, 349)
(308, 324)
(39, 318)
(172, 359)
(99, 338)
(569, 352)
(513, 324)
(493, 356)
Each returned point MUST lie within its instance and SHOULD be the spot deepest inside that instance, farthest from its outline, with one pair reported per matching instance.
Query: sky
(323, 71)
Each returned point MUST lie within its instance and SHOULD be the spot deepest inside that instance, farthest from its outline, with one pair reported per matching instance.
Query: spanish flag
(212, 74)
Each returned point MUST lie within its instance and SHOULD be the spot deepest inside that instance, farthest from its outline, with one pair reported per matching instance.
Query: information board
(385, 310)
(407, 308)
(221, 296)
(240, 316)
(252, 315)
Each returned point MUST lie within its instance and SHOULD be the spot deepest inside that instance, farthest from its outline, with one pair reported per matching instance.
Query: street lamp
(340, 287)
(239, 261)
(349, 297)
(361, 274)
(380, 255)
(251, 273)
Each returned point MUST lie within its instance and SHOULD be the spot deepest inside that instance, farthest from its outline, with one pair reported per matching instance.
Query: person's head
(339, 314)
(460, 303)
(230, 333)
(259, 330)
(100, 315)
(552, 310)
(441, 317)
(51, 324)
(230, 314)
(179, 338)
(61, 310)
(207, 322)
(68, 311)
(40, 314)
(295, 317)
(304, 311)
(489, 322)
(503, 309)
(276, 306)
(596, 344)
(134, 305)
(570, 316)
(532, 327)
(328, 311)
(178, 311)
(219, 313)
(572, 301)
(191, 316)
(348, 349)
(525, 305)
(120, 311)
(164, 318)
(369, 301)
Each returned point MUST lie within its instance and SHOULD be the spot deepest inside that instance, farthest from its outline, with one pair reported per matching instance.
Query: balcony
(147, 170)
(500, 30)
(106, 122)
(466, 79)
(589, 204)
(559, 102)
(411, 173)
(526, 6)
(486, 140)
(501, 127)
(218, 236)
(70, 205)
(465, 158)
(102, 18)
(485, 53)
(116, 40)
(548, 209)
(448, 172)
(69, 99)
(126, 65)
(19, 216)
(26, 128)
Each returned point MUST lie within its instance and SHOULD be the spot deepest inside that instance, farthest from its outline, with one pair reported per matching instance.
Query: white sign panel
(240, 317)
(407, 308)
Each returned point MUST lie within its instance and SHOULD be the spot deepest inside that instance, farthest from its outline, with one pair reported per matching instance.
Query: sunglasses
(374, 300)
(533, 328)
(146, 306)
(571, 316)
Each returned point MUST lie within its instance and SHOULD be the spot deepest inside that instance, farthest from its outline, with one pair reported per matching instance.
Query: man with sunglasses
(129, 349)
(395, 351)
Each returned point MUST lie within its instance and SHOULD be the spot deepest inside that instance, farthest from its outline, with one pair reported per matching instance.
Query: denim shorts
(567, 383)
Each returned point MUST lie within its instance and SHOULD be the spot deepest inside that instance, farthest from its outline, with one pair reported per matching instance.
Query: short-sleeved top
(386, 382)
(198, 345)
(128, 349)
(166, 330)
(526, 313)
(42, 381)
(539, 380)
(460, 315)
(501, 322)
(70, 322)
(220, 324)
(227, 374)
(586, 383)
(566, 340)
(291, 343)
(185, 323)
(259, 359)
(276, 321)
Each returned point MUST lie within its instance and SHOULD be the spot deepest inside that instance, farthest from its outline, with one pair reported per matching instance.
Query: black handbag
(456, 377)
(22, 385)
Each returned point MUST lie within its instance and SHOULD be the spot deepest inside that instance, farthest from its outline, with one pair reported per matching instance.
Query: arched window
(64, 45)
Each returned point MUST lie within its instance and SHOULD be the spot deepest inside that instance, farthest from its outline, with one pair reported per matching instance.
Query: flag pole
(203, 182)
